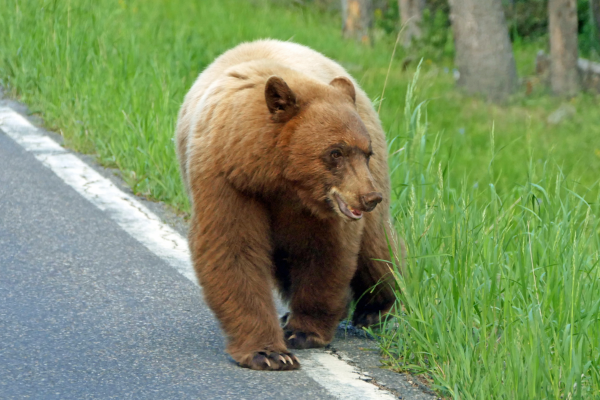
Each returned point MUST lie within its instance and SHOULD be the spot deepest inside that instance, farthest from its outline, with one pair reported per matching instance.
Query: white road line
(337, 377)
(126, 211)
(341, 379)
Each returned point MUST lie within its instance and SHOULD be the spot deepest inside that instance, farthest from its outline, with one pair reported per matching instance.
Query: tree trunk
(562, 23)
(411, 17)
(484, 55)
(595, 13)
(357, 19)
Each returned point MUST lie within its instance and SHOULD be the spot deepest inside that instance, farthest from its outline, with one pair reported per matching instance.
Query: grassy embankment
(498, 207)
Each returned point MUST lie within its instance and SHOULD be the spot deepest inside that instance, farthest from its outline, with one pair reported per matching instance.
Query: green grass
(110, 76)
(501, 295)
(498, 208)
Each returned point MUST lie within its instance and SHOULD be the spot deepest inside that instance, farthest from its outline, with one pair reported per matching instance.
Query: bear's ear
(345, 85)
(281, 100)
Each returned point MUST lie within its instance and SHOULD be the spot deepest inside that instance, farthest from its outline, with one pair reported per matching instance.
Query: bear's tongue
(346, 210)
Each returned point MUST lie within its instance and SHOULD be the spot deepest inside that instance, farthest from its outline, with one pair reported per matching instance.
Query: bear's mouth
(346, 209)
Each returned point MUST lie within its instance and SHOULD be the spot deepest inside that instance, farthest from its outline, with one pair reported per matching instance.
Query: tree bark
(411, 17)
(484, 55)
(595, 11)
(357, 19)
(562, 23)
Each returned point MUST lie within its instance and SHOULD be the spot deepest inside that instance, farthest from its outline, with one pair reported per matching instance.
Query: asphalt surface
(87, 312)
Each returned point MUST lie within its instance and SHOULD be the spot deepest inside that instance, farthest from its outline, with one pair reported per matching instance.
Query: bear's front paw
(267, 360)
(301, 340)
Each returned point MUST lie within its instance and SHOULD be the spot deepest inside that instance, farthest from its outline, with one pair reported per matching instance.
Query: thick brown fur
(274, 142)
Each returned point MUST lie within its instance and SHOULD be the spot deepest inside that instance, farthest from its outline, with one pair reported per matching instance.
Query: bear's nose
(370, 200)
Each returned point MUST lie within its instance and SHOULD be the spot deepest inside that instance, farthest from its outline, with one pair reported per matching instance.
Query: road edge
(338, 367)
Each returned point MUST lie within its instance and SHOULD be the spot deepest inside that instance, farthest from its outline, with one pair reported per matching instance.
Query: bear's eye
(335, 154)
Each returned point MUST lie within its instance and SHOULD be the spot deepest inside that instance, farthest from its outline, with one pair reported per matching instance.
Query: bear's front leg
(230, 243)
(320, 294)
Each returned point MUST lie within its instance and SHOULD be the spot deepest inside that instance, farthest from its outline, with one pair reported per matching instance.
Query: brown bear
(285, 164)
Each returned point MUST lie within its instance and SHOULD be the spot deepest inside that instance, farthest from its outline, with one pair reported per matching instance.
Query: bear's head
(326, 145)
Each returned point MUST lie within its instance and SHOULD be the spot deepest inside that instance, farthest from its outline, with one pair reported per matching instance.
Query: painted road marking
(341, 379)
(125, 210)
(336, 376)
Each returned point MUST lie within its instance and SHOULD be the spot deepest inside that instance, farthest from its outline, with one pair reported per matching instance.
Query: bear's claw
(272, 361)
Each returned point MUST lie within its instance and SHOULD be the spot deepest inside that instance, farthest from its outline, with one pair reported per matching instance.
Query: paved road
(86, 311)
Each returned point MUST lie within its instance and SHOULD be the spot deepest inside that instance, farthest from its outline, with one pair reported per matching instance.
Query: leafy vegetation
(498, 206)
(500, 295)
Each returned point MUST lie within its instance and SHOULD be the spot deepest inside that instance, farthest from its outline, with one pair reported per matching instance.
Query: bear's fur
(274, 141)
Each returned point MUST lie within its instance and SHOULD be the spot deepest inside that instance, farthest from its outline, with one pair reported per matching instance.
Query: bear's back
(292, 55)
(280, 55)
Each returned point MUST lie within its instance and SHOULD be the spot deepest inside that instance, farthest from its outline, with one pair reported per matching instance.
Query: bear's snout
(370, 200)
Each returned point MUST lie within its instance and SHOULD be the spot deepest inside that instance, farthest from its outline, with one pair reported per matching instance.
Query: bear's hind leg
(319, 297)
(373, 284)
(313, 321)
(231, 250)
